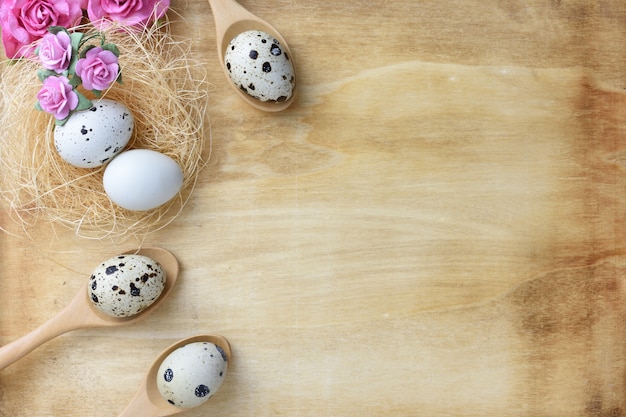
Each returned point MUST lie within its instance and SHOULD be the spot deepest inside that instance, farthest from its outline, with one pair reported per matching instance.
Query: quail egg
(258, 65)
(125, 285)
(192, 374)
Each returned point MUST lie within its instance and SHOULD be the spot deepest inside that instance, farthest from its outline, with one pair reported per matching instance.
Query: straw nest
(165, 89)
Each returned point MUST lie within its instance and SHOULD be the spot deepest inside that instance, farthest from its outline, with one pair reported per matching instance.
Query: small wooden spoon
(231, 19)
(148, 402)
(80, 312)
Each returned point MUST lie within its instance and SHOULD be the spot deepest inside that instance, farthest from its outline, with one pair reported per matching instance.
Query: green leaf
(111, 47)
(92, 36)
(45, 73)
(61, 122)
(71, 69)
(38, 106)
(97, 93)
(86, 49)
(83, 102)
(119, 78)
(75, 39)
(56, 29)
(75, 81)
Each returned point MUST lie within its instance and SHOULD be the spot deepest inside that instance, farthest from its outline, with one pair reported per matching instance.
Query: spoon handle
(141, 406)
(57, 325)
(227, 12)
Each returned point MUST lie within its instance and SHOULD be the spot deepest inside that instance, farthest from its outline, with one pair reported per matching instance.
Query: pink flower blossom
(98, 70)
(25, 21)
(133, 13)
(57, 97)
(55, 51)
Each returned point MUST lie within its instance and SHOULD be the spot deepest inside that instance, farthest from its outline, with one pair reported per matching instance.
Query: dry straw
(165, 89)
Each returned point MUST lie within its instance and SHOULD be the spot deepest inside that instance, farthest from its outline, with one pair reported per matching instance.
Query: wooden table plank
(436, 227)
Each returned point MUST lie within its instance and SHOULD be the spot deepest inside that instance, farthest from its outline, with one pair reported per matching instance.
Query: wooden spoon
(148, 402)
(80, 312)
(231, 19)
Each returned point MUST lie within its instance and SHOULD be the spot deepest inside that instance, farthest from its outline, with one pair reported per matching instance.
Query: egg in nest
(92, 137)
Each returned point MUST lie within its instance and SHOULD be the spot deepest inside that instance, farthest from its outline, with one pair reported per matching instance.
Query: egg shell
(192, 374)
(257, 64)
(142, 179)
(92, 137)
(126, 285)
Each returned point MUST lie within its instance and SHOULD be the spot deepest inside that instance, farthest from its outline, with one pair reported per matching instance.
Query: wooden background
(435, 228)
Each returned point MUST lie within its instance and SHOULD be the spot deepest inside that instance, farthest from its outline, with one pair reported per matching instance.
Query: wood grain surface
(434, 228)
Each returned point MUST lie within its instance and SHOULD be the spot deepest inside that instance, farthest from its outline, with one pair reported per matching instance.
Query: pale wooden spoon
(231, 19)
(148, 402)
(80, 312)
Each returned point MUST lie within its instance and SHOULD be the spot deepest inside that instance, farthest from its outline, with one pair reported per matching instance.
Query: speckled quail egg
(90, 138)
(126, 285)
(258, 65)
(192, 374)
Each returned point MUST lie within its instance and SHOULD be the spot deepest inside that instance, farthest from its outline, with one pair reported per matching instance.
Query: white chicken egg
(90, 138)
(126, 285)
(142, 179)
(257, 64)
(192, 374)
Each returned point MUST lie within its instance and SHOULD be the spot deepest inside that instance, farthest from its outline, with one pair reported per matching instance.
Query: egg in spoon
(81, 312)
(254, 56)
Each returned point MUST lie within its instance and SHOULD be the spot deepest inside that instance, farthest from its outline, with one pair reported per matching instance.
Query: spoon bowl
(231, 19)
(148, 402)
(80, 313)
(170, 265)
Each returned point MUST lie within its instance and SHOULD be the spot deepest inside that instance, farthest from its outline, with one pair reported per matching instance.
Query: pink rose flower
(98, 70)
(55, 51)
(25, 21)
(57, 97)
(133, 13)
